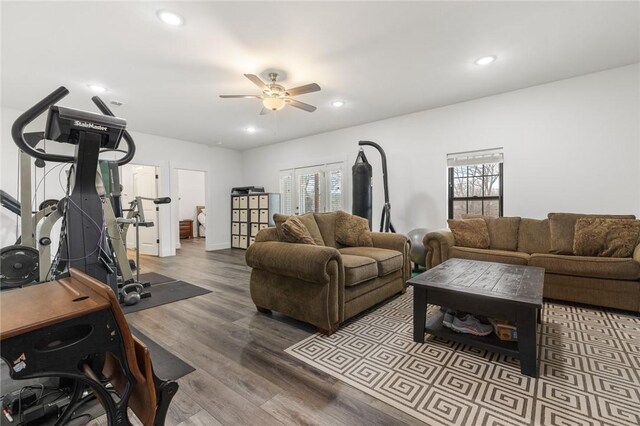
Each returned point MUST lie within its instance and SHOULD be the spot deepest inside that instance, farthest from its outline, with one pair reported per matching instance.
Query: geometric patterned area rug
(589, 370)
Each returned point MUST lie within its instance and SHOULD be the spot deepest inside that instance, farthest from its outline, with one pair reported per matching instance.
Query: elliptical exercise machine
(362, 188)
(86, 242)
(29, 259)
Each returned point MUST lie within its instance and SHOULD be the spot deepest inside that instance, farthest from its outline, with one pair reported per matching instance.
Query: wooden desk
(74, 328)
(26, 309)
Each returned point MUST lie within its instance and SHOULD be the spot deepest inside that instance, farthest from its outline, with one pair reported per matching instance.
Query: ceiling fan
(274, 96)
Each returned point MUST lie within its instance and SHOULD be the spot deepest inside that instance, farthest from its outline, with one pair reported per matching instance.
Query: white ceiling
(383, 59)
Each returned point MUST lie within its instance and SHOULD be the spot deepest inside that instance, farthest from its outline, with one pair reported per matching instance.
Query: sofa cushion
(562, 228)
(503, 231)
(592, 267)
(534, 236)
(368, 287)
(501, 256)
(388, 260)
(327, 226)
(358, 269)
(294, 230)
(470, 232)
(595, 236)
(309, 222)
(352, 231)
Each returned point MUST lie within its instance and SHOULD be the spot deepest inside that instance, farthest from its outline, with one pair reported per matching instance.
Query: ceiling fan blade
(301, 105)
(308, 88)
(256, 80)
(264, 111)
(241, 96)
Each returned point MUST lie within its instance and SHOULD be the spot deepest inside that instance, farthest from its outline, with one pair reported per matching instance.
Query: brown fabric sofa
(602, 281)
(325, 285)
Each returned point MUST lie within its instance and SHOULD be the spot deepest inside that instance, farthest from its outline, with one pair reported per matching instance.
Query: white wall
(191, 192)
(572, 145)
(222, 168)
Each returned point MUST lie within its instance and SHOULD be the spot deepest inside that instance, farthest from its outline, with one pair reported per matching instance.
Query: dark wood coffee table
(494, 290)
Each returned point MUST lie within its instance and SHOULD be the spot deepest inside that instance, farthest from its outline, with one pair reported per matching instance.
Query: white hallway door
(145, 185)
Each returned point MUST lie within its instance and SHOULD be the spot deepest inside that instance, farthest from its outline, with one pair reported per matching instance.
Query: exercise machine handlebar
(131, 146)
(17, 130)
(10, 203)
(162, 200)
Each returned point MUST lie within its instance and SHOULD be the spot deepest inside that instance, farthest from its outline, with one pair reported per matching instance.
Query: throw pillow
(295, 231)
(562, 229)
(606, 237)
(307, 220)
(472, 233)
(503, 231)
(352, 231)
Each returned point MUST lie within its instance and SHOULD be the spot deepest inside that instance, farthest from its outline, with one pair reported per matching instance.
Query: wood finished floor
(243, 375)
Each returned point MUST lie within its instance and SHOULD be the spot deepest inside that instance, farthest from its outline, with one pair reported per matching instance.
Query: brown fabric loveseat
(603, 281)
(327, 283)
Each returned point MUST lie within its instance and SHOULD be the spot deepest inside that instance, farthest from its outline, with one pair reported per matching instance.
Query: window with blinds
(312, 189)
(475, 183)
(308, 193)
(335, 190)
(286, 191)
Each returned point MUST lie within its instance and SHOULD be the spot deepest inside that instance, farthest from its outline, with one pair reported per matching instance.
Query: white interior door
(144, 184)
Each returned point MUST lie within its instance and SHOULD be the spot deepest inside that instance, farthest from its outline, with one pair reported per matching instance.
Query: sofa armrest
(267, 234)
(437, 244)
(636, 254)
(302, 261)
(397, 242)
(388, 240)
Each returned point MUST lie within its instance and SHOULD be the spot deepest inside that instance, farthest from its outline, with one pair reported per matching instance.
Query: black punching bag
(362, 193)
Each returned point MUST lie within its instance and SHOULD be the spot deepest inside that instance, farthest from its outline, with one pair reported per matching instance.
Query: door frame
(175, 230)
(164, 215)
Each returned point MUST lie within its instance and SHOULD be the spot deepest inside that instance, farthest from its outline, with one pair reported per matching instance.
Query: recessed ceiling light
(250, 129)
(97, 88)
(337, 104)
(485, 60)
(170, 18)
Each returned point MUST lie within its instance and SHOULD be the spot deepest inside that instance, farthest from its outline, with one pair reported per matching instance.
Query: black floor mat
(161, 294)
(154, 278)
(166, 365)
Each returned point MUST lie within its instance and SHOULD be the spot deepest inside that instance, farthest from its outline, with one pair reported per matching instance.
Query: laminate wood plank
(244, 382)
(292, 410)
(201, 418)
(222, 403)
(243, 375)
(182, 407)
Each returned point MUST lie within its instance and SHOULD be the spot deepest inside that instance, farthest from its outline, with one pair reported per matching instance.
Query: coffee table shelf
(490, 342)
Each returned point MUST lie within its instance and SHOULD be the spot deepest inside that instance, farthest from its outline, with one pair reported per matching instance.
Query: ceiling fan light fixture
(337, 104)
(273, 103)
(97, 88)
